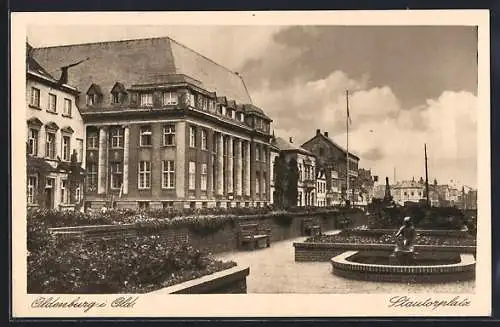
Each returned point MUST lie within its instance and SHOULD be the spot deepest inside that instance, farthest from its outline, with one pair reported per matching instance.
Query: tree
(280, 180)
(291, 192)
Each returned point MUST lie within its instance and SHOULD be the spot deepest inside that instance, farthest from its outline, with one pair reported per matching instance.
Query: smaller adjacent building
(306, 165)
(55, 140)
(333, 159)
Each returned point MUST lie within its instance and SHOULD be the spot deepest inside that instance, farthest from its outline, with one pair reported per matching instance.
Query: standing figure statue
(405, 236)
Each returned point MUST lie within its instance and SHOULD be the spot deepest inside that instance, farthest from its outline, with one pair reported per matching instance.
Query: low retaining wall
(427, 232)
(229, 281)
(464, 270)
(323, 252)
(221, 240)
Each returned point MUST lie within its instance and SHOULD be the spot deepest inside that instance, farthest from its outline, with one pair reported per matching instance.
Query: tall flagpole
(347, 147)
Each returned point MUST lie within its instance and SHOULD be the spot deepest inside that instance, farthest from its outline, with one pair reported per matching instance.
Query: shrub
(113, 266)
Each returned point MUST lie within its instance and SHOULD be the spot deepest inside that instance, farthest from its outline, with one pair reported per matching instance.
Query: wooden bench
(309, 228)
(343, 222)
(250, 235)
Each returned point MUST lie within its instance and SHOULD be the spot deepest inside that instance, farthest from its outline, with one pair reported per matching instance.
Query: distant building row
(440, 195)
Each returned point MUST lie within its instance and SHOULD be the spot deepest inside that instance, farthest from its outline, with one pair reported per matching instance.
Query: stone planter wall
(229, 281)
(323, 252)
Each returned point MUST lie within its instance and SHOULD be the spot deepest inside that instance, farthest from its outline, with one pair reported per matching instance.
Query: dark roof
(284, 145)
(139, 62)
(250, 108)
(329, 140)
(34, 67)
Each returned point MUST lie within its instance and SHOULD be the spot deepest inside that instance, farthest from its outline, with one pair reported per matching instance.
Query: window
(117, 137)
(50, 145)
(143, 205)
(32, 187)
(169, 135)
(211, 105)
(264, 181)
(257, 153)
(192, 175)
(116, 97)
(191, 100)
(91, 177)
(144, 174)
(64, 191)
(168, 174)
(299, 199)
(35, 97)
(33, 142)
(204, 140)
(92, 141)
(192, 137)
(79, 149)
(146, 99)
(204, 172)
(170, 98)
(145, 136)
(52, 103)
(257, 183)
(78, 194)
(91, 99)
(66, 148)
(67, 107)
(116, 175)
(300, 172)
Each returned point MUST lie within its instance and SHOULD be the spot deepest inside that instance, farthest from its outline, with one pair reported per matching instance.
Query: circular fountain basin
(373, 266)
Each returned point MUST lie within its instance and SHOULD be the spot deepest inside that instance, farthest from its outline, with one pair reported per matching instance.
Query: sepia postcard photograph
(250, 164)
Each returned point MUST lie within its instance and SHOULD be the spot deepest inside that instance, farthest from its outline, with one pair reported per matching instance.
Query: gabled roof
(284, 145)
(118, 88)
(140, 62)
(333, 143)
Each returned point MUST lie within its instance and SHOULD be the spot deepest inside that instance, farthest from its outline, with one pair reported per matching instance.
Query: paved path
(274, 270)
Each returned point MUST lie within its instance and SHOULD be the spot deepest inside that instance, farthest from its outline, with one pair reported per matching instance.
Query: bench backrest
(249, 229)
(307, 222)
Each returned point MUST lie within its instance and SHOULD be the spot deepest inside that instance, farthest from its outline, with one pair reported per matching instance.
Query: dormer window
(93, 95)
(170, 98)
(223, 110)
(147, 99)
(117, 93)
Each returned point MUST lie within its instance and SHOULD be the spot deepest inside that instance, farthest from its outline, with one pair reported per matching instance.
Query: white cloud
(384, 134)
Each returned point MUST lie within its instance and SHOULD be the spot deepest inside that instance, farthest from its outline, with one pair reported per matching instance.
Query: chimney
(291, 139)
(318, 131)
(64, 76)
(326, 134)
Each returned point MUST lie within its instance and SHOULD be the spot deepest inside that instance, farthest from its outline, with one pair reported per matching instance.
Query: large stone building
(165, 126)
(55, 140)
(306, 164)
(333, 159)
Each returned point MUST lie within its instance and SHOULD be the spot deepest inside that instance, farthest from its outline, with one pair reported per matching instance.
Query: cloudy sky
(408, 85)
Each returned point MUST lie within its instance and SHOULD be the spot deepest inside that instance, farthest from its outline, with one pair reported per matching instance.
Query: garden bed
(140, 265)
(362, 237)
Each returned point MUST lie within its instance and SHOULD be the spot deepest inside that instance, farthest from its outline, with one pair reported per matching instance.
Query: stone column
(230, 176)
(101, 177)
(219, 187)
(126, 145)
(247, 169)
(238, 168)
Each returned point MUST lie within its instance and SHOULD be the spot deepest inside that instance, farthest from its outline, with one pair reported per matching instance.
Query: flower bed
(162, 217)
(352, 237)
(143, 264)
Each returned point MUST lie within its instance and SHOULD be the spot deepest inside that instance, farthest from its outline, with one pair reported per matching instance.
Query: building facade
(166, 126)
(306, 165)
(320, 188)
(333, 158)
(55, 140)
(274, 154)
